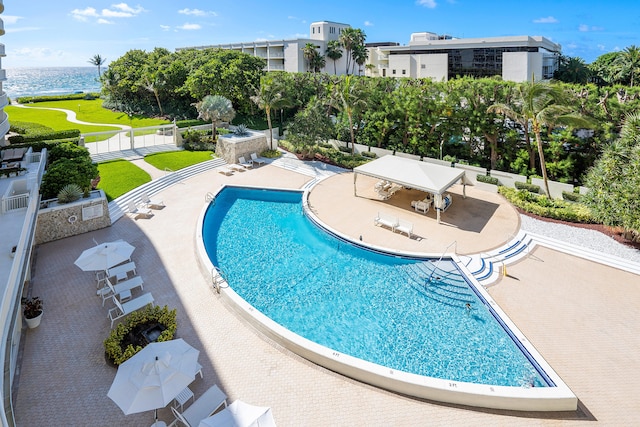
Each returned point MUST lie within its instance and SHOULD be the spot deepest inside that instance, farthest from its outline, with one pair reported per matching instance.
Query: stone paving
(581, 316)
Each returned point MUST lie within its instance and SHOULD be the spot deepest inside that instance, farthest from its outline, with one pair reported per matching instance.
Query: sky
(45, 33)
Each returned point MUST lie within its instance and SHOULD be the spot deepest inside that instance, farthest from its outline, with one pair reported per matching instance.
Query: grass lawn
(89, 111)
(175, 160)
(118, 177)
(56, 120)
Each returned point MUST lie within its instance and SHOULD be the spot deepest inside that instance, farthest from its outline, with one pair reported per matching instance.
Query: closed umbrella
(104, 256)
(241, 414)
(154, 376)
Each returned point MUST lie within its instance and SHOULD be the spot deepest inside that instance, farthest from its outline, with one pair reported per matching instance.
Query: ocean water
(50, 81)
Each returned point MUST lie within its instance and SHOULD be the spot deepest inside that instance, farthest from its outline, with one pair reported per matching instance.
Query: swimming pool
(394, 313)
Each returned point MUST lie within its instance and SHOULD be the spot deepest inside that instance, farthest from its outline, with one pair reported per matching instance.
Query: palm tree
(348, 96)
(334, 52)
(627, 64)
(572, 69)
(270, 96)
(217, 109)
(540, 104)
(98, 61)
(349, 38)
(360, 55)
(315, 61)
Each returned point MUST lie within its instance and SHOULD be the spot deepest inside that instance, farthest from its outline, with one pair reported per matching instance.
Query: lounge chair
(237, 168)
(386, 194)
(386, 220)
(151, 203)
(405, 227)
(255, 159)
(242, 162)
(138, 211)
(225, 171)
(121, 290)
(121, 272)
(212, 400)
(121, 310)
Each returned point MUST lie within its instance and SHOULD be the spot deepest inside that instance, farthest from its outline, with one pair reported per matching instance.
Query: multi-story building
(4, 119)
(440, 57)
(443, 57)
(287, 55)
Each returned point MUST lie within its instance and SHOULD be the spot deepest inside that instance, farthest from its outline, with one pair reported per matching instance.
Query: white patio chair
(121, 290)
(121, 310)
(255, 159)
(151, 203)
(242, 162)
(138, 211)
(212, 400)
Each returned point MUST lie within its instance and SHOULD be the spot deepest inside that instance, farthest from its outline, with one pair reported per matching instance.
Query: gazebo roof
(411, 173)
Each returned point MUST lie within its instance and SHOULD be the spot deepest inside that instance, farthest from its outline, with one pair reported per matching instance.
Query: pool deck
(581, 316)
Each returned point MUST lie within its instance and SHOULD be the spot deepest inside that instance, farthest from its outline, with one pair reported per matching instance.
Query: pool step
(486, 267)
(443, 291)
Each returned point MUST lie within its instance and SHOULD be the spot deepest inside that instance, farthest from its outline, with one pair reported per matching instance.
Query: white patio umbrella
(104, 256)
(154, 376)
(241, 414)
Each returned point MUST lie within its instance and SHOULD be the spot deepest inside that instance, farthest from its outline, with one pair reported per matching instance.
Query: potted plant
(32, 310)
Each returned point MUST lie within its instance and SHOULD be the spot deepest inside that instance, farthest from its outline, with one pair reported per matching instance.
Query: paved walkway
(580, 315)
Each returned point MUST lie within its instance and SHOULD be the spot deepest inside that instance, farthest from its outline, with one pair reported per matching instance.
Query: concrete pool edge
(546, 399)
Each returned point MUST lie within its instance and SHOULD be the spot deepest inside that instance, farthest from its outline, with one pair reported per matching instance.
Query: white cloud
(165, 27)
(368, 24)
(38, 53)
(190, 27)
(10, 19)
(120, 10)
(586, 28)
(197, 12)
(547, 20)
(427, 3)
(21, 29)
(601, 47)
(128, 9)
(83, 14)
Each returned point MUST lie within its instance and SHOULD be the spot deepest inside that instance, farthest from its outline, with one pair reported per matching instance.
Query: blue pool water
(373, 306)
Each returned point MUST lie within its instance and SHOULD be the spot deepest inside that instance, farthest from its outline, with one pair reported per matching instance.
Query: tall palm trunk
(543, 164)
(268, 111)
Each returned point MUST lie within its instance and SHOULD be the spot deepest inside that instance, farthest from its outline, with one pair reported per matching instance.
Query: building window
(313, 30)
(393, 71)
(404, 72)
(423, 66)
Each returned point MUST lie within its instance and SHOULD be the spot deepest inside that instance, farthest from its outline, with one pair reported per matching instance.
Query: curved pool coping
(558, 397)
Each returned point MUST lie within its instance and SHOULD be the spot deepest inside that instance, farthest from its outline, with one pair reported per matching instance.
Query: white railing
(11, 203)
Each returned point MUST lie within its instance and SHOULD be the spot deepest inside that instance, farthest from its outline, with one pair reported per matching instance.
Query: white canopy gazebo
(427, 177)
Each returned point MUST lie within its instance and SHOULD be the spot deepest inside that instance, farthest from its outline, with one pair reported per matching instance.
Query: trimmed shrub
(487, 179)
(344, 149)
(188, 123)
(78, 171)
(529, 187)
(44, 136)
(571, 197)
(117, 350)
(369, 154)
(47, 98)
(25, 128)
(271, 154)
(542, 206)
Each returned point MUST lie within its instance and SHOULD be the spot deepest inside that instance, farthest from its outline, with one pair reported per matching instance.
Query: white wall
(521, 66)
(399, 63)
(436, 66)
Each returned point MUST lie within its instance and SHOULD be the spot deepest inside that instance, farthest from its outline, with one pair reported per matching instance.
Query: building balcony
(2, 50)
(3, 100)
(274, 67)
(3, 75)
(1, 28)
(276, 54)
(4, 124)
(1, 6)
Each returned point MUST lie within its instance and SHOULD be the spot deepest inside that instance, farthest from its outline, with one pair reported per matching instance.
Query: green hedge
(48, 98)
(44, 136)
(369, 154)
(162, 315)
(28, 127)
(529, 187)
(542, 206)
(572, 197)
(188, 123)
(487, 179)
